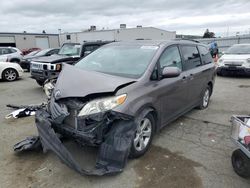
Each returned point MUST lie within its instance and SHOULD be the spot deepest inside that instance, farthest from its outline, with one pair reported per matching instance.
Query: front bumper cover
(113, 151)
(234, 69)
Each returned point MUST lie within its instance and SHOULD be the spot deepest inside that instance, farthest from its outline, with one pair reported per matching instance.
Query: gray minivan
(117, 97)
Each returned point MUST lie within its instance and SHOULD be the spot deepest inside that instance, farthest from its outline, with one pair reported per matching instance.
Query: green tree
(208, 34)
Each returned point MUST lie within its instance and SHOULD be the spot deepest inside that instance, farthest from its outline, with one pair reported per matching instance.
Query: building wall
(23, 41)
(143, 33)
(54, 41)
(118, 35)
(87, 36)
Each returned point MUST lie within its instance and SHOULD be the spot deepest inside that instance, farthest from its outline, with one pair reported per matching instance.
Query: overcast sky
(183, 16)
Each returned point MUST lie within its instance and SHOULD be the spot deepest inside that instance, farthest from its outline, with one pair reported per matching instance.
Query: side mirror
(170, 72)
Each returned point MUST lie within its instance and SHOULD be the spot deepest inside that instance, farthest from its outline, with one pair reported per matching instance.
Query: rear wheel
(241, 163)
(143, 136)
(205, 98)
(10, 74)
(40, 82)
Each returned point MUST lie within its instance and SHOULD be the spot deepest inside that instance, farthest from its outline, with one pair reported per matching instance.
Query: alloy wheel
(143, 134)
(206, 98)
(10, 74)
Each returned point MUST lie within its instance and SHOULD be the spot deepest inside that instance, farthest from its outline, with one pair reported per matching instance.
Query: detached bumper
(113, 151)
(233, 69)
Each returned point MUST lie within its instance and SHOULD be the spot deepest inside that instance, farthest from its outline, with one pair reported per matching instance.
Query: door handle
(184, 77)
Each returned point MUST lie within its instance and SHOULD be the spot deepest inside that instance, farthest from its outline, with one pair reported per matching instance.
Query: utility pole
(59, 37)
(227, 31)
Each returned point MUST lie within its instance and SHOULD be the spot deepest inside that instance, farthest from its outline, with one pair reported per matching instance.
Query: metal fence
(225, 42)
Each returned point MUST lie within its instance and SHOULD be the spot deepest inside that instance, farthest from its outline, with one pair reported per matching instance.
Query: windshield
(239, 49)
(125, 61)
(70, 50)
(33, 53)
(42, 52)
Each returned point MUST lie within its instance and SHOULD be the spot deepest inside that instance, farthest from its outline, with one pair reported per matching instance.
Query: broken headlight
(48, 87)
(102, 105)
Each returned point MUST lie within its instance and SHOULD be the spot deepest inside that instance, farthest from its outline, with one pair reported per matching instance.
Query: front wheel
(9, 75)
(143, 136)
(241, 163)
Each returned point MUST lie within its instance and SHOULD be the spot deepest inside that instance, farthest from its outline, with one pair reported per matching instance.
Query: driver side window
(170, 58)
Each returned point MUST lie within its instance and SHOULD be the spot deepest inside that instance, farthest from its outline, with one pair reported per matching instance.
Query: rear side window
(205, 55)
(191, 57)
(13, 50)
(171, 58)
(5, 51)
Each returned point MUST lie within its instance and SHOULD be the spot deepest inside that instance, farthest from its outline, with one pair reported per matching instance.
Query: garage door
(42, 42)
(7, 41)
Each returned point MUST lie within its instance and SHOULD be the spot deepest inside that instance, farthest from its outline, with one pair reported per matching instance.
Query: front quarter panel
(139, 97)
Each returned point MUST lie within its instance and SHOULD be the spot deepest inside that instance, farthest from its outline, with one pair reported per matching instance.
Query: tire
(205, 98)
(40, 82)
(241, 163)
(140, 143)
(9, 75)
(219, 73)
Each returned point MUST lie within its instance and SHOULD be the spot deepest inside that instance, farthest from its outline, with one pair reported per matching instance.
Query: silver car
(10, 54)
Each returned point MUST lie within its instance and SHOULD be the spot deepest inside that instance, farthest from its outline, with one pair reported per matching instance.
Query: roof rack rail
(188, 40)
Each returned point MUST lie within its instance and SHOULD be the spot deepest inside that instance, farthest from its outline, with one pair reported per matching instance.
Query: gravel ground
(193, 151)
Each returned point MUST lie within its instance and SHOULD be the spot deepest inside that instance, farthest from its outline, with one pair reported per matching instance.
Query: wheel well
(155, 115)
(14, 60)
(210, 84)
(148, 109)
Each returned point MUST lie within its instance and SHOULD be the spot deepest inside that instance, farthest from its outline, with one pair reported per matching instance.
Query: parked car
(46, 67)
(10, 54)
(27, 51)
(32, 53)
(121, 94)
(10, 71)
(235, 60)
(25, 63)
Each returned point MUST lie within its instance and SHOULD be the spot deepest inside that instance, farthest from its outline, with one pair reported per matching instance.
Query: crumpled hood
(54, 58)
(75, 82)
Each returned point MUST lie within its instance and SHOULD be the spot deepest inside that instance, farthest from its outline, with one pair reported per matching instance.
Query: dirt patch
(161, 168)
(24, 166)
(244, 86)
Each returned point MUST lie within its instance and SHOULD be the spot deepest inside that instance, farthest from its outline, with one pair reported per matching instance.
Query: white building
(29, 40)
(121, 34)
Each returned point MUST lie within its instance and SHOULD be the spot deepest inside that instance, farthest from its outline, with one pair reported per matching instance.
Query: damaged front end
(87, 115)
(111, 131)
